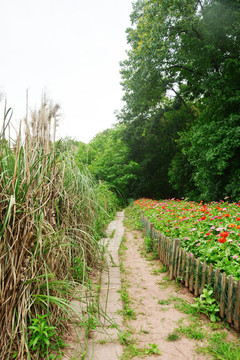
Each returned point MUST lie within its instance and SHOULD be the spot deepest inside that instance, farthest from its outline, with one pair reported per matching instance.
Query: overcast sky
(71, 48)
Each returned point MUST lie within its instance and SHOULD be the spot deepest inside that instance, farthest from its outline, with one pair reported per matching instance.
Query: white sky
(71, 48)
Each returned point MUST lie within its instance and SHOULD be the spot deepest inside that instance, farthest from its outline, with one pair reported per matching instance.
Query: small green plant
(128, 312)
(173, 337)
(125, 338)
(132, 350)
(165, 282)
(183, 305)
(40, 335)
(152, 349)
(207, 305)
(89, 323)
(103, 341)
(164, 302)
(162, 270)
(221, 349)
(122, 247)
(148, 244)
(192, 331)
(112, 234)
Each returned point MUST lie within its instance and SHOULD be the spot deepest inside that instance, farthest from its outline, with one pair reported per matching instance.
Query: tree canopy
(188, 50)
(179, 128)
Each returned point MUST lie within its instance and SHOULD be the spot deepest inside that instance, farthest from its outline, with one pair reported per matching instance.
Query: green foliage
(106, 158)
(148, 244)
(131, 350)
(125, 338)
(107, 205)
(89, 323)
(192, 331)
(221, 349)
(173, 337)
(207, 305)
(187, 50)
(164, 302)
(43, 337)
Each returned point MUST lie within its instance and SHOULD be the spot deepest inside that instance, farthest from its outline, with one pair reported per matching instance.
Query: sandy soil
(147, 286)
(154, 321)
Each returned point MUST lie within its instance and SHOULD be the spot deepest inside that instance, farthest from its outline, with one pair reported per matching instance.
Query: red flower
(238, 219)
(222, 240)
(203, 217)
(224, 234)
(208, 233)
(226, 215)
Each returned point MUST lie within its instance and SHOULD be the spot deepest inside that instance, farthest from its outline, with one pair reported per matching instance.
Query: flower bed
(210, 231)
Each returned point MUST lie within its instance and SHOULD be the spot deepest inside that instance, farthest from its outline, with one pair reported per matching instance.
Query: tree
(106, 158)
(189, 49)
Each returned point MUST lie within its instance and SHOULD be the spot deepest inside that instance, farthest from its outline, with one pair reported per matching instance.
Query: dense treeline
(179, 130)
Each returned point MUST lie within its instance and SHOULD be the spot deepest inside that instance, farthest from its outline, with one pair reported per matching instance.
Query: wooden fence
(196, 275)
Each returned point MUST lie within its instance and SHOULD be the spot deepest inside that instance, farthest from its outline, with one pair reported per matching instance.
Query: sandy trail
(154, 321)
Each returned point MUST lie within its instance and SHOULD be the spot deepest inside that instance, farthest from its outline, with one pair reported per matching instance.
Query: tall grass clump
(48, 237)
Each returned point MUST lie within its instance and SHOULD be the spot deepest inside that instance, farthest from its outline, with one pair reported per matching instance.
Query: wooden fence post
(183, 264)
(203, 280)
(236, 318)
(187, 269)
(179, 263)
(191, 278)
(222, 295)
(176, 242)
(210, 274)
(151, 227)
(196, 286)
(217, 273)
(230, 296)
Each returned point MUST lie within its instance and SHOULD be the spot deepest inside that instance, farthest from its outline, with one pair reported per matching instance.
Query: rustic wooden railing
(196, 274)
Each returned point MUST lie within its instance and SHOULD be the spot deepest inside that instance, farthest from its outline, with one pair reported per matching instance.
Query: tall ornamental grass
(48, 233)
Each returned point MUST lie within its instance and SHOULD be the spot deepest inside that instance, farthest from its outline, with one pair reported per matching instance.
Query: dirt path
(145, 308)
(150, 292)
(104, 343)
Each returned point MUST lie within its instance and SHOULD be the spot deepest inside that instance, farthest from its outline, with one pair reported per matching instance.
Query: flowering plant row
(209, 231)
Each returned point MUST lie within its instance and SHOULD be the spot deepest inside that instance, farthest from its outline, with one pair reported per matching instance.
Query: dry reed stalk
(43, 202)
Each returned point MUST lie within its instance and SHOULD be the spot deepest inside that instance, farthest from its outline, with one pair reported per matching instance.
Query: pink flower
(235, 256)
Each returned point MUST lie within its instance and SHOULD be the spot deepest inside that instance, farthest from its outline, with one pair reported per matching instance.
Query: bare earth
(154, 321)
